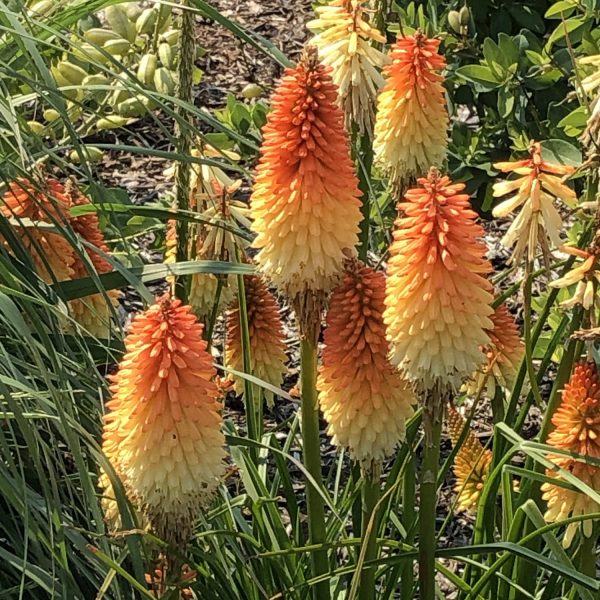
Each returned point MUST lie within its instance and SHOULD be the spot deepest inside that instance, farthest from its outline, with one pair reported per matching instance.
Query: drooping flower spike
(267, 339)
(162, 431)
(41, 203)
(536, 189)
(437, 306)
(471, 463)
(577, 429)
(305, 204)
(412, 118)
(587, 277)
(93, 312)
(503, 354)
(364, 399)
(592, 81)
(344, 41)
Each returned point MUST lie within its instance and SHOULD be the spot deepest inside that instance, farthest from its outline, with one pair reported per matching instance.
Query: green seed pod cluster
(459, 20)
(96, 71)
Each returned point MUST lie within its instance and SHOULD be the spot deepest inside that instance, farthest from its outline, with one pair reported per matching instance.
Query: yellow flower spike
(504, 354)
(305, 203)
(586, 275)
(535, 191)
(471, 463)
(577, 429)
(412, 118)
(344, 42)
(162, 431)
(437, 306)
(51, 254)
(93, 312)
(267, 339)
(364, 399)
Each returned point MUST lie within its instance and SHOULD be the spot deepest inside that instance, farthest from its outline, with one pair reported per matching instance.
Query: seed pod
(146, 21)
(465, 15)
(42, 8)
(132, 107)
(166, 55)
(164, 17)
(91, 153)
(96, 79)
(163, 81)
(133, 10)
(118, 96)
(88, 53)
(171, 36)
(454, 20)
(117, 47)
(147, 68)
(111, 122)
(119, 21)
(74, 111)
(51, 115)
(100, 36)
(36, 127)
(73, 74)
(252, 90)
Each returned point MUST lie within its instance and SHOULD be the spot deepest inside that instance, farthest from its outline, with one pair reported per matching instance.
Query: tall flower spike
(412, 118)
(305, 203)
(162, 431)
(364, 399)
(538, 186)
(93, 312)
(438, 300)
(504, 354)
(267, 339)
(47, 203)
(344, 43)
(577, 429)
(471, 464)
(586, 275)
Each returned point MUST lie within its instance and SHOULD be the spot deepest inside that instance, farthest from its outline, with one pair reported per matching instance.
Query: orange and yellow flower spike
(471, 463)
(267, 339)
(344, 40)
(586, 275)
(437, 306)
(305, 204)
(536, 189)
(412, 118)
(51, 254)
(363, 398)
(162, 431)
(577, 429)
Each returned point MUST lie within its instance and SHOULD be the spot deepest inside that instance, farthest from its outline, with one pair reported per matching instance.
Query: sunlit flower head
(504, 354)
(162, 429)
(536, 189)
(412, 118)
(93, 312)
(438, 299)
(305, 204)
(585, 274)
(344, 41)
(267, 339)
(34, 207)
(471, 463)
(364, 399)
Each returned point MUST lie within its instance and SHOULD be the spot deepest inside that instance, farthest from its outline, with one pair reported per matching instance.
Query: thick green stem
(407, 582)
(432, 426)
(587, 555)
(370, 525)
(531, 374)
(183, 135)
(312, 462)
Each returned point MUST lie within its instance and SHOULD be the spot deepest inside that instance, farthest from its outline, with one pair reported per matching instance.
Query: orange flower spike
(577, 419)
(162, 432)
(305, 204)
(471, 464)
(92, 312)
(412, 118)
(363, 398)
(577, 429)
(438, 299)
(538, 186)
(267, 339)
(51, 253)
